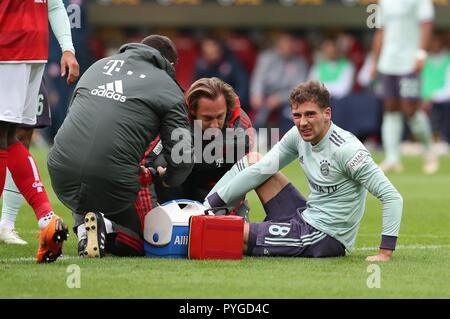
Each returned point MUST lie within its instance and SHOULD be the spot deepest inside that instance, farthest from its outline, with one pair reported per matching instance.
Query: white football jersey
(401, 20)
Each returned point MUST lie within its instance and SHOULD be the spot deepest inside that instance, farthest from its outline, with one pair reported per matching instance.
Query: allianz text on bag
(166, 228)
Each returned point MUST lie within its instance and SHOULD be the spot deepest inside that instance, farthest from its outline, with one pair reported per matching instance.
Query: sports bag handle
(180, 201)
(215, 209)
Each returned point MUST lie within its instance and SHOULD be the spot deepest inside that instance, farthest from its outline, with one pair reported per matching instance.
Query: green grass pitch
(420, 267)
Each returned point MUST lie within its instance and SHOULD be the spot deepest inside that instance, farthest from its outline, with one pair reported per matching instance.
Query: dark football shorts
(285, 233)
(405, 87)
(43, 114)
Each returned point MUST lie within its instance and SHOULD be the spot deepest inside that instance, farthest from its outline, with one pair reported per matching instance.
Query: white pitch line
(408, 235)
(401, 247)
(34, 258)
(408, 247)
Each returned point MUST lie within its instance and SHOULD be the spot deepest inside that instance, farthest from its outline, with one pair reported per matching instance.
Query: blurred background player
(217, 106)
(436, 89)
(278, 70)
(400, 50)
(217, 60)
(12, 199)
(333, 69)
(23, 54)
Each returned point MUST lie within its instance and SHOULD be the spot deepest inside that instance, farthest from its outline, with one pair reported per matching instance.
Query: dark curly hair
(311, 91)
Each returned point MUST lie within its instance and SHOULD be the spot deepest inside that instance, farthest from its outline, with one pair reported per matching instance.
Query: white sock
(391, 134)
(12, 201)
(421, 128)
(5, 223)
(44, 221)
(108, 224)
(81, 231)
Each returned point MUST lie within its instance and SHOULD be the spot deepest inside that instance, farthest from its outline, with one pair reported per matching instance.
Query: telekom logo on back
(113, 65)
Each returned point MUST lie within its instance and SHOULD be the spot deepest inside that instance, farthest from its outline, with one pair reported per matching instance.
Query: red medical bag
(215, 237)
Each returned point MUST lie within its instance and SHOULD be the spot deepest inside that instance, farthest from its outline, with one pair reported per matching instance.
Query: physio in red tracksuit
(216, 105)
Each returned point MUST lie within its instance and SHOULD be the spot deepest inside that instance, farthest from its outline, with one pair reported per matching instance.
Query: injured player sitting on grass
(340, 171)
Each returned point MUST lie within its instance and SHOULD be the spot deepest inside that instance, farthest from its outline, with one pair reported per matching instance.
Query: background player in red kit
(23, 54)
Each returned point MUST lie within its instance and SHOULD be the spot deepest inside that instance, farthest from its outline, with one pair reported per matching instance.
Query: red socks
(3, 164)
(26, 177)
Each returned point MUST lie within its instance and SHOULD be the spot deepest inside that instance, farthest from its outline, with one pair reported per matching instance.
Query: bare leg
(409, 108)
(24, 135)
(4, 128)
(392, 105)
(420, 126)
(266, 191)
(12, 138)
(270, 188)
(246, 232)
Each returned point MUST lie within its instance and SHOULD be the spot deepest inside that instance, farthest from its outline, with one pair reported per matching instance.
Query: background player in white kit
(399, 52)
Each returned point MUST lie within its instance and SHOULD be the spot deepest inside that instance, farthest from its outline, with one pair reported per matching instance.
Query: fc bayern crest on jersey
(325, 167)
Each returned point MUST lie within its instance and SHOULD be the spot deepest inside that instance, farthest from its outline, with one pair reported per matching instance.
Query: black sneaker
(93, 245)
